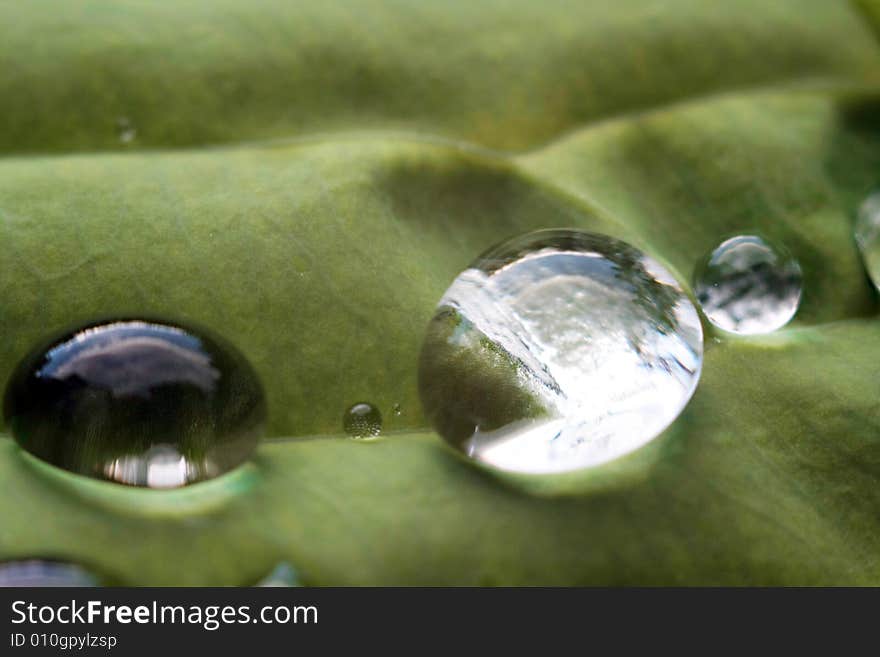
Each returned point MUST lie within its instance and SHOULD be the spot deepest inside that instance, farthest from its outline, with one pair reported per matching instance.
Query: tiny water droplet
(137, 402)
(559, 350)
(362, 420)
(300, 264)
(749, 286)
(43, 573)
(282, 575)
(397, 410)
(867, 235)
(125, 130)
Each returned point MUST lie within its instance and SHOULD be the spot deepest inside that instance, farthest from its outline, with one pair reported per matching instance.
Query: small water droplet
(362, 420)
(137, 402)
(559, 350)
(749, 286)
(125, 130)
(282, 575)
(867, 235)
(43, 573)
(397, 410)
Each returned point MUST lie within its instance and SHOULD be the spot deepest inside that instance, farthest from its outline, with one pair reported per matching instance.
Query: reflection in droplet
(362, 420)
(136, 402)
(868, 236)
(282, 575)
(125, 130)
(559, 350)
(42, 573)
(749, 286)
(161, 466)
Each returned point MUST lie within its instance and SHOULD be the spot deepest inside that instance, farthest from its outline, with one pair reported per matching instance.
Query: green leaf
(504, 74)
(322, 255)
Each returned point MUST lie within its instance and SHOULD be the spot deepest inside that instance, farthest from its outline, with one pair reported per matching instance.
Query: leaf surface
(307, 180)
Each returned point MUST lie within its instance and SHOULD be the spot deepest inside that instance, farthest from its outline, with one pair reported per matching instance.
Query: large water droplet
(137, 402)
(362, 420)
(868, 236)
(559, 350)
(749, 286)
(39, 572)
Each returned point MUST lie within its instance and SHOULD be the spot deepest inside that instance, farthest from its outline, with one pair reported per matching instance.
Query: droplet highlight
(749, 286)
(362, 420)
(137, 402)
(867, 234)
(43, 573)
(559, 350)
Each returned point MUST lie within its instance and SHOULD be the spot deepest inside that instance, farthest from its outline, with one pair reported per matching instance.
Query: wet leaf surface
(403, 140)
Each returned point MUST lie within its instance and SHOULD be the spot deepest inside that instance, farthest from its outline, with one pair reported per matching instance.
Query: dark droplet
(42, 573)
(137, 402)
(362, 420)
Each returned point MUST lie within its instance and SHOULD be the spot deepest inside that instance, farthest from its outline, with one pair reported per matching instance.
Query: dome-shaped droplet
(748, 285)
(362, 420)
(282, 575)
(39, 572)
(559, 350)
(137, 402)
(868, 236)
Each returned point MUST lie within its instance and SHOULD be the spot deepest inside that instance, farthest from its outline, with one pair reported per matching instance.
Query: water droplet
(42, 573)
(868, 236)
(362, 420)
(397, 410)
(137, 402)
(748, 286)
(125, 130)
(282, 575)
(559, 350)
